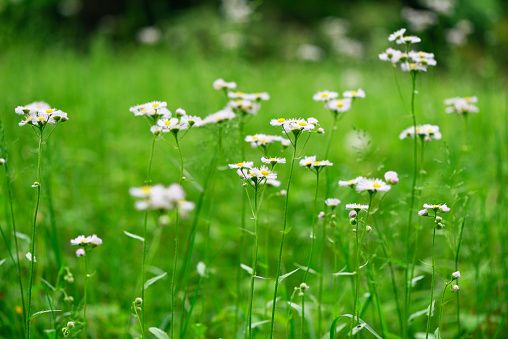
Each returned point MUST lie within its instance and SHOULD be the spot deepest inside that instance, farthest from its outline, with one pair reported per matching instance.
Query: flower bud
(138, 301)
(36, 184)
(321, 131)
(455, 288)
(69, 299)
(440, 226)
(354, 230)
(352, 221)
(456, 275)
(2, 161)
(283, 193)
(321, 215)
(423, 213)
(353, 214)
(368, 229)
(438, 218)
(80, 252)
(164, 220)
(70, 324)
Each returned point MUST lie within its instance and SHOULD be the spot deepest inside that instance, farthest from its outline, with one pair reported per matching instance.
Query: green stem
(148, 181)
(303, 316)
(357, 282)
(282, 239)
(30, 282)
(255, 261)
(321, 276)
(314, 211)
(432, 283)
(407, 290)
(456, 269)
(441, 310)
(85, 330)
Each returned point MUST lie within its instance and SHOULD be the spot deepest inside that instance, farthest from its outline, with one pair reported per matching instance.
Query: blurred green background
(95, 59)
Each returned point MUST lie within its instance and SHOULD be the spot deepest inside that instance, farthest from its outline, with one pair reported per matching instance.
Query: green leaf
(160, 334)
(154, 279)
(286, 231)
(42, 312)
(282, 277)
(422, 312)
(133, 236)
(361, 326)
(2, 261)
(247, 268)
(254, 325)
(48, 284)
(23, 237)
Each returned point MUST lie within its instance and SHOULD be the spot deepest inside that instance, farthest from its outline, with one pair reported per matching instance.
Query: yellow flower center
(254, 138)
(28, 119)
(308, 163)
(302, 124)
(240, 164)
(217, 119)
(239, 94)
(413, 66)
(281, 120)
(144, 110)
(376, 185)
(468, 99)
(350, 182)
(49, 111)
(167, 123)
(418, 130)
(340, 104)
(146, 189)
(265, 172)
(239, 101)
(317, 162)
(252, 174)
(354, 92)
(429, 130)
(155, 105)
(272, 159)
(262, 141)
(435, 206)
(41, 118)
(258, 95)
(324, 95)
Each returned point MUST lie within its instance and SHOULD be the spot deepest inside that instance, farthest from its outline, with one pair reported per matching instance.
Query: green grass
(93, 159)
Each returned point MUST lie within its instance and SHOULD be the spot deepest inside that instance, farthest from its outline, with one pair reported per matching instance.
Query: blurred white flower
(372, 185)
(356, 207)
(150, 35)
(325, 96)
(159, 197)
(273, 160)
(80, 252)
(332, 202)
(427, 132)
(220, 116)
(419, 20)
(221, 84)
(392, 55)
(397, 34)
(392, 177)
(308, 52)
(245, 164)
(461, 105)
(354, 94)
(350, 183)
(29, 257)
(437, 207)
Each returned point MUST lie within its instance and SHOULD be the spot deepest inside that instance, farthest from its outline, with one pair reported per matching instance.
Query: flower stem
(313, 229)
(357, 282)
(148, 181)
(282, 239)
(85, 330)
(441, 310)
(432, 283)
(255, 261)
(456, 269)
(303, 316)
(30, 280)
(407, 294)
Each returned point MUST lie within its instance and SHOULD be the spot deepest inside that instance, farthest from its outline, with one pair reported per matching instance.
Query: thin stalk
(255, 261)
(242, 232)
(357, 282)
(30, 280)
(303, 316)
(85, 297)
(394, 286)
(313, 229)
(282, 238)
(13, 222)
(456, 269)
(441, 310)
(148, 181)
(411, 206)
(175, 262)
(432, 283)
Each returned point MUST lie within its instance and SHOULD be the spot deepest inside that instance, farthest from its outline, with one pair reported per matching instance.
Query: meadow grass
(102, 151)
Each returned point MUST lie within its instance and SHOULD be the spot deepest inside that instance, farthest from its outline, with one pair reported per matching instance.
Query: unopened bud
(321, 131)
(455, 288)
(352, 221)
(70, 324)
(321, 215)
(456, 275)
(36, 184)
(283, 193)
(368, 229)
(353, 214)
(2, 161)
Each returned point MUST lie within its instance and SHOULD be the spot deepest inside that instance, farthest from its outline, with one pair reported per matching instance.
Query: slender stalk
(30, 280)
(313, 228)
(303, 316)
(255, 261)
(175, 262)
(407, 290)
(242, 232)
(148, 181)
(456, 269)
(357, 282)
(432, 283)
(441, 310)
(85, 330)
(283, 234)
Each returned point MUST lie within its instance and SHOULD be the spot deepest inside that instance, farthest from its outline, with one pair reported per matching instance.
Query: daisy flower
(159, 197)
(220, 116)
(408, 39)
(80, 240)
(298, 125)
(245, 164)
(273, 160)
(94, 240)
(427, 132)
(461, 105)
(437, 208)
(372, 185)
(392, 55)
(423, 213)
(332, 202)
(354, 94)
(180, 112)
(277, 122)
(456, 275)
(325, 96)
(262, 96)
(350, 183)
(192, 120)
(245, 106)
(356, 207)
(273, 182)
(392, 177)
(397, 34)
(221, 84)
(262, 173)
(339, 106)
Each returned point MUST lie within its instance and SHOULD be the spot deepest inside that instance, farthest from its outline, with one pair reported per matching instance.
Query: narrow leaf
(282, 277)
(160, 334)
(2, 261)
(48, 284)
(416, 279)
(287, 230)
(247, 268)
(133, 236)
(259, 323)
(42, 312)
(343, 273)
(23, 236)
(422, 312)
(361, 326)
(305, 268)
(154, 279)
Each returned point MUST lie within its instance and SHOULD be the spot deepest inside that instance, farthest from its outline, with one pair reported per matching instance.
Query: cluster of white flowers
(411, 61)
(262, 140)
(40, 114)
(461, 105)
(426, 132)
(220, 116)
(295, 125)
(312, 163)
(244, 103)
(153, 109)
(256, 176)
(86, 242)
(336, 105)
(220, 84)
(182, 121)
(162, 198)
(273, 160)
(332, 202)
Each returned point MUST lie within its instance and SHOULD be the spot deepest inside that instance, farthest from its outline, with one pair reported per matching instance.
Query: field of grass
(91, 161)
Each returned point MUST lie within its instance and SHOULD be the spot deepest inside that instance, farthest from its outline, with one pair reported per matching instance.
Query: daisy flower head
(220, 84)
(391, 177)
(167, 122)
(332, 202)
(153, 108)
(192, 120)
(356, 207)
(461, 105)
(262, 140)
(408, 39)
(159, 197)
(372, 185)
(245, 164)
(94, 240)
(360, 93)
(237, 95)
(308, 161)
(392, 55)
(156, 129)
(455, 288)
(296, 126)
(261, 96)
(180, 112)
(325, 96)
(423, 213)
(277, 122)
(437, 207)
(273, 183)
(81, 240)
(245, 106)
(273, 160)
(351, 183)
(2, 161)
(427, 132)
(340, 105)
(258, 175)
(397, 34)
(219, 117)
